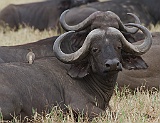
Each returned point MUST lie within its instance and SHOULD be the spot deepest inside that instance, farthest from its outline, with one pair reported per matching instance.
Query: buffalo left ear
(133, 62)
(79, 70)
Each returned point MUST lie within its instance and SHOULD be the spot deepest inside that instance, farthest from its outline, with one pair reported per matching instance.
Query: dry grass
(24, 35)
(140, 107)
(155, 28)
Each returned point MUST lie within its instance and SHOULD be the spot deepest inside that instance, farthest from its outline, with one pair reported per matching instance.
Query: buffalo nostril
(107, 65)
(118, 64)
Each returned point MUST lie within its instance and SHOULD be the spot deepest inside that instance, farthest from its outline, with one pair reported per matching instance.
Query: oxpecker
(30, 56)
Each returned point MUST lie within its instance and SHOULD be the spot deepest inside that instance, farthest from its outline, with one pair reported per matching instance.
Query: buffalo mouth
(105, 74)
(111, 71)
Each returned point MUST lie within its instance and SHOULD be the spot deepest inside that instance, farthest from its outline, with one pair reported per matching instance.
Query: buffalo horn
(138, 49)
(132, 30)
(79, 54)
(89, 20)
(79, 26)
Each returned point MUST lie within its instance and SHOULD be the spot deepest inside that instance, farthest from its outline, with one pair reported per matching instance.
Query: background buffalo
(147, 10)
(40, 15)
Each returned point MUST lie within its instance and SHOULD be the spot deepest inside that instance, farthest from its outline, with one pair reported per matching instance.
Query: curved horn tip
(132, 30)
(130, 14)
(135, 16)
(145, 46)
(64, 13)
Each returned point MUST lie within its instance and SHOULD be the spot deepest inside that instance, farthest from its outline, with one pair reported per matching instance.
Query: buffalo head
(101, 51)
(101, 20)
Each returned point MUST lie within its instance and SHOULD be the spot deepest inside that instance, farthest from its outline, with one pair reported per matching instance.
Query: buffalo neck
(100, 88)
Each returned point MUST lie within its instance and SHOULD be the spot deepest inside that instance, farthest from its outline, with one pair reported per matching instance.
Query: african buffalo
(92, 66)
(147, 10)
(40, 15)
(148, 78)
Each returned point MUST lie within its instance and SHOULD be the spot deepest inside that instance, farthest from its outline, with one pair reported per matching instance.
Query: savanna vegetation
(127, 106)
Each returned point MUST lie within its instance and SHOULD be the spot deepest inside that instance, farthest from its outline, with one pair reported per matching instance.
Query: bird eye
(95, 50)
(119, 47)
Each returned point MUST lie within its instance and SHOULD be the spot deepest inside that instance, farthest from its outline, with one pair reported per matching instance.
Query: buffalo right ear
(133, 62)
(79, 70)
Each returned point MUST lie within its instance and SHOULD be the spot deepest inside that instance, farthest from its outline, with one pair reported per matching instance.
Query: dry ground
(140, 107)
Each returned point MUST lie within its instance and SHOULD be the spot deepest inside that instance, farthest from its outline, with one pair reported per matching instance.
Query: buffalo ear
(79, 70)
(133, 62)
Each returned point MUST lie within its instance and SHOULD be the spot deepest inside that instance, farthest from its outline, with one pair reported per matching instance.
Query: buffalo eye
(95, 50)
